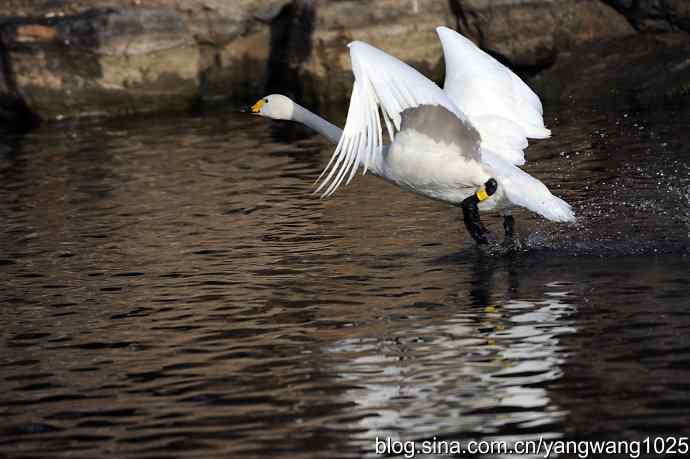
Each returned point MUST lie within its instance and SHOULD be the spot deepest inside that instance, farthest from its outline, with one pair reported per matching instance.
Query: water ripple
(173, 289)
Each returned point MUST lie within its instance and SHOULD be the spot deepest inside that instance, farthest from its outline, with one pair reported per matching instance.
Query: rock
(67, 59)
(208, 20)
(643, 71)
(313, 63)
(656, 15)
(78, 57)
(309, 54)
(529, 34)
(102, 61)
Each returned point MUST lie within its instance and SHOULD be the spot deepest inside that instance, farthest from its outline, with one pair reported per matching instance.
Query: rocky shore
(72, 58)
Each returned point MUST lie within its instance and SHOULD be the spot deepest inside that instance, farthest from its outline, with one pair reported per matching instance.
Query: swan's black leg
(509, 227)
(470, 211)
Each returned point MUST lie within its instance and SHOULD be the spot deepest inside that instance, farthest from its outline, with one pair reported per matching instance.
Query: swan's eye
(265, 100)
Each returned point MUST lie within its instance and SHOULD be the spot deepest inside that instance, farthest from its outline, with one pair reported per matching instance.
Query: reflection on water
(172, 285)
(468, 366)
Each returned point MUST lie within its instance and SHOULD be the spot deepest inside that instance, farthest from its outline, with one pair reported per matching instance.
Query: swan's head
(275, 106)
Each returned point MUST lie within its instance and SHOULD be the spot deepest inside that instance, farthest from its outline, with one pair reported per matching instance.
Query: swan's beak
(254, 109)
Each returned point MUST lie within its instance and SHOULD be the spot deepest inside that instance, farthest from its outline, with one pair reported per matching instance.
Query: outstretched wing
(498, 103)
(383, 83)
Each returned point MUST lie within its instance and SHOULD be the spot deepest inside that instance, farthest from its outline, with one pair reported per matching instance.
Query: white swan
(460, 145)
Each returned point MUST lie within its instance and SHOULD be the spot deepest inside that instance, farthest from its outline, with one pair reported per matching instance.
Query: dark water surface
(169, 288)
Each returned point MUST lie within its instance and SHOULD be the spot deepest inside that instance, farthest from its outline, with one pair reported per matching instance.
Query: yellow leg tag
(482, 195)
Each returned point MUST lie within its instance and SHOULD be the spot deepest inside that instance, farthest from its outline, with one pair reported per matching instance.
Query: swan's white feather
(436, 152)
(499, 104)
(522, 189)
(383, 83)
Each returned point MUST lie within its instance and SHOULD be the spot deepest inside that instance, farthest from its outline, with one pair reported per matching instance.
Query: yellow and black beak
(256, 108)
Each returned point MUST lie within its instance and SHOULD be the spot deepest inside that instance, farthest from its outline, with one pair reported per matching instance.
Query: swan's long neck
(320, 125)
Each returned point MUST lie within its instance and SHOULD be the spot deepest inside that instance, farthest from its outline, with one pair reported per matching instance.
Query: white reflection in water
(475, 373)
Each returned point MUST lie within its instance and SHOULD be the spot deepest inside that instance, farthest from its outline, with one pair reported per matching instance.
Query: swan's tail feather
(557, 210)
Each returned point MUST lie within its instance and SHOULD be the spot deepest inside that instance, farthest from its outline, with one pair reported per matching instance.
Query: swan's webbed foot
(509, 227)
(470, 212)
(509, 231)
